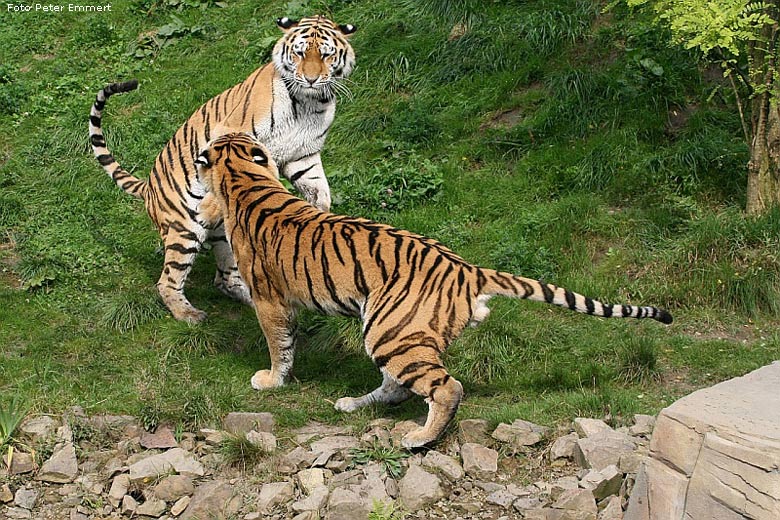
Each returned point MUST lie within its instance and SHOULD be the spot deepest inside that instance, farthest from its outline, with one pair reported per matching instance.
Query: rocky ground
(78, 468)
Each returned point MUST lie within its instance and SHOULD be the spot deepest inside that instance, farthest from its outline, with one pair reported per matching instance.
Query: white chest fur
(295, 128)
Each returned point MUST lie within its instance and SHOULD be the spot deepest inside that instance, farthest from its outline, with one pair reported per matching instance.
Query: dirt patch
(9, 259)
(678, 117)
(504, 119)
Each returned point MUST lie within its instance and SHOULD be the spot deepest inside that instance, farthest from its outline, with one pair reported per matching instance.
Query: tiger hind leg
(277, 324)
(181, 247)
(426, 376)
(389, 392)
(228, 280)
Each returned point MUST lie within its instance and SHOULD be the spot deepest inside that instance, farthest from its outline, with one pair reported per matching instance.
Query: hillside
(543, 138)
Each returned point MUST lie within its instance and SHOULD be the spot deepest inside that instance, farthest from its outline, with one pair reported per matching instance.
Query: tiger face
(236, 148)
(314, 55)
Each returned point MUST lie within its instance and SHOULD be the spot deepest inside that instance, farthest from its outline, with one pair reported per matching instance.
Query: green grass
(542, 140)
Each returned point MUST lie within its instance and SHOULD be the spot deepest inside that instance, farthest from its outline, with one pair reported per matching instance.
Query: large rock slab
(174, 460)
(419, 489)
(242, 422)
(216, 499)
(62, 467)
(715, 454)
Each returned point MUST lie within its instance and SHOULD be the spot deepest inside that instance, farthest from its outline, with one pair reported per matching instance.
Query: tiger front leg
(276, 321)
(390, 392)
(308, 177)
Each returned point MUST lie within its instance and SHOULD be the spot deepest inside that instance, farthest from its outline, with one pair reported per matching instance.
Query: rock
(391, 487)
(629, 462)
(129, 505)
(501, 498)
(154, 508)
(314, 429)
(563, 447)
(213, 437)
(372, 490)
(638, 506)
(299, 458)
(490, 487)
(517, 437)
(309, 479)
(716, 453)
(525, 503)
(180, 506)
(577, 500)
(173, 487)
(603, 483)
(315, 500)
(161, 439)
(563, 484)
(448, 466)
(62, 467)
(175, 459)
(26, 498)
(21, 463)
(346, 478)
(119, 487)
(240, 423)
(273, 494)
(38, 428)
(586, 427)
(17, 513)
(612, 510)
(419, 489)
(346, 504)
(212, 499)
(5, 494)
(643, 425)
(401, 429)
(473, 430)
(479, 461)
(306, 515)
(334, 444)
(263, 440)
(602, 449)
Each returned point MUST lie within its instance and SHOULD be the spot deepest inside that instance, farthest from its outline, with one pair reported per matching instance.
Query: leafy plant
(11, 415)
(384, 511)
(237, 450)
(389, 457)
(150, 44)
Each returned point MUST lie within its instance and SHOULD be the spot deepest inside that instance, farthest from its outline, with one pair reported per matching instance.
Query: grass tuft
(638, 362)
(127, 310)
(238, 451)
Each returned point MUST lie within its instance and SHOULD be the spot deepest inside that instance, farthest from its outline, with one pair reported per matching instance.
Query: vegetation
(545, 138)
(741, 36)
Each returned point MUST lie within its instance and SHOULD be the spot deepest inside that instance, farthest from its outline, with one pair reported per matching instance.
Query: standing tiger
(288, 104)
(414, 295)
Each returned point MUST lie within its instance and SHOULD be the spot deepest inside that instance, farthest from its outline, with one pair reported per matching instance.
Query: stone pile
(320, 472)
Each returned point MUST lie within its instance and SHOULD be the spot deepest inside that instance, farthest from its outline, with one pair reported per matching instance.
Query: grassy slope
(544, 141)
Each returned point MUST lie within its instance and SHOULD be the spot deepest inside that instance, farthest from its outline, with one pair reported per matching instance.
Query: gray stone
(479, 461)
(5, 494)
(173, 487)
(273, 494)
(576, 500)
(517, 438)
(180, 505)
(372, 490)
(306, 515)
(586, 427)
(563, 447)
(448, 466)
(314, 429)
(212, 499)
(129, 505)
(525, 503)
(21, 463)
(176, 459)
(239, 423)
(563, 484)
(299, 458)
(161, 439)
(716, 453)
(334, 444)
(26, 498)
(643, 425)
(118, 490)
(40, 427)
(391, 487)
(419, 489)
(316, 500)
(611, 510)
(309, 479)
(602, 449)
(346, 478)
(17, 513)
(603, 483)
(501, 498)
(346, 504)
(62, 467)
(629, 462)
(473, 430)
(264, 440)
(153, 508)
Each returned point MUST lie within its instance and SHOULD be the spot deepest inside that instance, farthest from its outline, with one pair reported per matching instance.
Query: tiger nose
(311, 79)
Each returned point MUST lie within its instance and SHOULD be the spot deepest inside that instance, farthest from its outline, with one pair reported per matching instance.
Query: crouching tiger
(414, 295)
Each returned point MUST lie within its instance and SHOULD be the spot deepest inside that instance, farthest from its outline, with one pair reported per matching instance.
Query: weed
(11, 416)
(389, 458)
(384, 511)
(127, 310)
(638, 362)
(237, 450)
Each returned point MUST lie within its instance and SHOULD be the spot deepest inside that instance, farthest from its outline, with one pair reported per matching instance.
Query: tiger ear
(285, 24)
(347, 29)
(259, 156)
(203, 159)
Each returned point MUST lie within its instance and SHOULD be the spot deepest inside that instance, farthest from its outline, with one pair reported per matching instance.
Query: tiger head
(236, 153)
(313, 55)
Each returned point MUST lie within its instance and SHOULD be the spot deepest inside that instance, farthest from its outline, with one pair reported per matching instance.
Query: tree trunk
(763, 189)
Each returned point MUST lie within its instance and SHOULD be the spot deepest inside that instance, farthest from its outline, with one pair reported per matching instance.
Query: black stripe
(607, 310)
(547, 292)
(300, 173)
(97, 140)
(95, 120)
(626, 310)
(105, 159)
(100, 105)
(182, 249)
(570, 299)
(589, 305)
(178, 266)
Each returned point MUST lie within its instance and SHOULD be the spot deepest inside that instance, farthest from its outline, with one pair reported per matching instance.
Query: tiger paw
(263, 380)
(190, 315)
(347, 404)
(417, 439)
